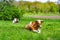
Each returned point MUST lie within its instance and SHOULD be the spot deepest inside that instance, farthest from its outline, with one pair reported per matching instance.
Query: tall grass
(50, 30)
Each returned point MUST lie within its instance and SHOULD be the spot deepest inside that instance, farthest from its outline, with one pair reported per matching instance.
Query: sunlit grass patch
(49, 31)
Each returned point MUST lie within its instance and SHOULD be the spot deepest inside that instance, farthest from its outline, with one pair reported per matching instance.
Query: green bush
(10, 12)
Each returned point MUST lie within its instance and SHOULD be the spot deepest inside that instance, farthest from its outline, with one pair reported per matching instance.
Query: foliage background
(11, 9)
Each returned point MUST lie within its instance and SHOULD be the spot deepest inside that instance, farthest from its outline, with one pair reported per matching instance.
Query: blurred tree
(35, 7)
(8, 10)
(58, 2)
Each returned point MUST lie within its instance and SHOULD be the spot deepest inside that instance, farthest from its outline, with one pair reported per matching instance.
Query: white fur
(15, 19)
(38, 31)
(30, 23)
(39, 21)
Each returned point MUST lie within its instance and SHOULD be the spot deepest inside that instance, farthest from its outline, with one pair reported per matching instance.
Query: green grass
(50, 30)
(41, 14)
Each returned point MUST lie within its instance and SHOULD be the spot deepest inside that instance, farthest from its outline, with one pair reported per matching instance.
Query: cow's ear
(36, 21)
(42, 21)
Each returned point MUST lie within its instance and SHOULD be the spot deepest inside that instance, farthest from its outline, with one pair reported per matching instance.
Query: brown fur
(33, 25)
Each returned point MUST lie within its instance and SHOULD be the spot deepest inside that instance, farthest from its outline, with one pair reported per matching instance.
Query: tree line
(10, 9)
(35, 7)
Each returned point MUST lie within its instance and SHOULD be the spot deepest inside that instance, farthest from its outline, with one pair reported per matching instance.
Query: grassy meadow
(41, 14)
(10, 9)
(50, 30)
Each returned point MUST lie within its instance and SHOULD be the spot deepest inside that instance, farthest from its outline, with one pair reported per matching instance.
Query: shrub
(10, 12)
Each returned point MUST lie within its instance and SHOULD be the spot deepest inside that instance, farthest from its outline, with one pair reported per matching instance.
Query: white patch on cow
(15, 19)
(37, 31)
(39, 21)
(30, 23)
